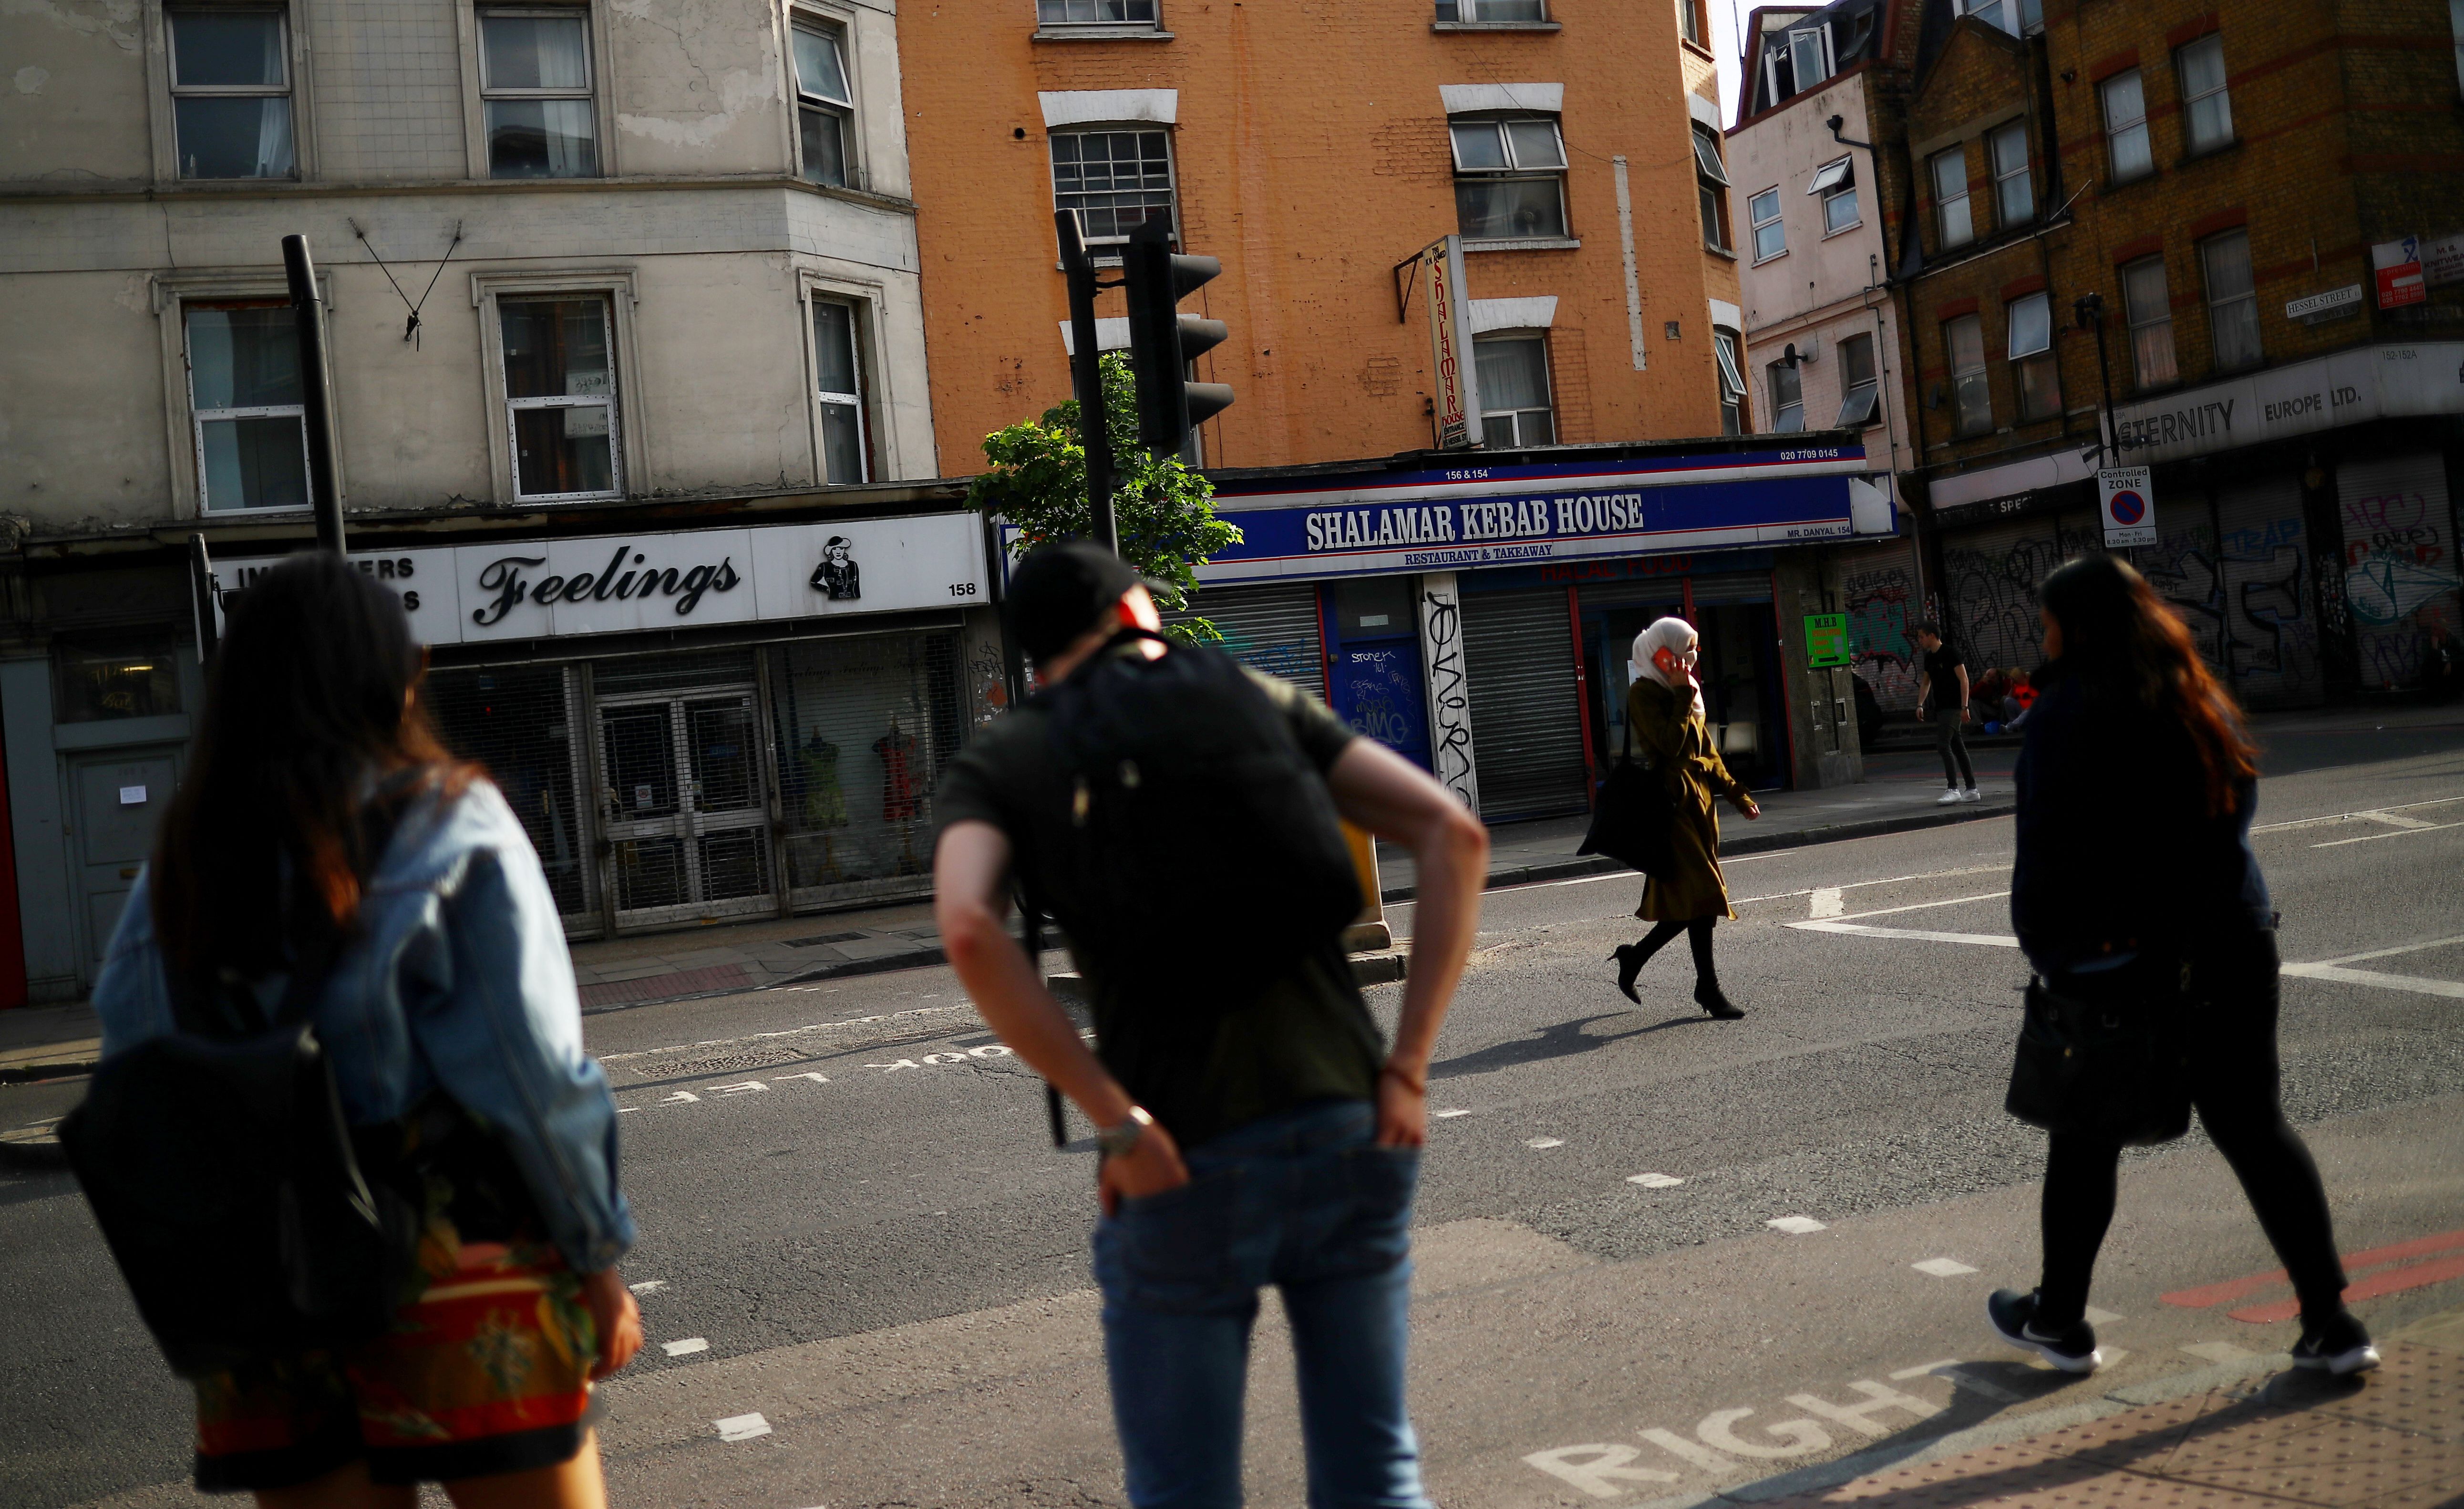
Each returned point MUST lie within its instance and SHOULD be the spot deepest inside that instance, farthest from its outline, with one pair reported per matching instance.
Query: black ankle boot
(1707, 996)
(1630, 959)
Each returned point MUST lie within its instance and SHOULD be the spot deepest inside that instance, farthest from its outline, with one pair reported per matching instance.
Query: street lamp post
(316, 391)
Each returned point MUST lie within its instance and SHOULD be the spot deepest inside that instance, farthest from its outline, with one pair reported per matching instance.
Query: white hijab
(1677, 637)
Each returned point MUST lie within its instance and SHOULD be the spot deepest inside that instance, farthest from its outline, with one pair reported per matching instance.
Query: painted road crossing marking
(1942, 1267)
(2415, 1264)
(1826, 901)
(1861, 930)
(2336, 970)
(1541, 1142)
(2390, 814)
(741, 1427)
(686, 1348)
(1795, 1224)
(647, 1286)
(1654, 1180)
(2407, 831)
(1450, 1115)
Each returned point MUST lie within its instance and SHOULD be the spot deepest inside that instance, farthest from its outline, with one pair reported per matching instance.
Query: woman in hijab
(1663, 707)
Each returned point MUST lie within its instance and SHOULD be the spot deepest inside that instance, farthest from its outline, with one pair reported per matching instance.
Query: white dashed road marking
(1942, 1267)
(1539, 1143)
(1795, 1224)
(647, 1286)
(686, 1348)
(1826, 902)
(1654, 1180)
(1447, 1115)
(741, 1427)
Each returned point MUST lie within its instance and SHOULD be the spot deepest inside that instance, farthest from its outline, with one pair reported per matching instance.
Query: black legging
(2233, 1084)
(1698, 933)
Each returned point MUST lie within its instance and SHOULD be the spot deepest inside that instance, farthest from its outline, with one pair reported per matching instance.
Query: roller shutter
(1526, 727)
(1272, 629)
(516, 721)
(1876, 585)
(1990, 578)
(2399, 583)
(2266, 596)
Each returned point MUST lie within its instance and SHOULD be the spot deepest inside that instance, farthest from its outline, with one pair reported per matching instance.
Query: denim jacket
(459, 981)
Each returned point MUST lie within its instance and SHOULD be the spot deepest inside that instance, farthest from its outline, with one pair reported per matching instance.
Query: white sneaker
(1949, 798)
(1971, 794)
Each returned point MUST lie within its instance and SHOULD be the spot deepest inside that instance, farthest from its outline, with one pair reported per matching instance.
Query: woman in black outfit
(2135, 788)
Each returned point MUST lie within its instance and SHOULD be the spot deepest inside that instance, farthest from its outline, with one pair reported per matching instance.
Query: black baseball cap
(1060, 591)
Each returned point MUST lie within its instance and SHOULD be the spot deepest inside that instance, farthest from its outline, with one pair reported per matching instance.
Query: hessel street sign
(2318, 306)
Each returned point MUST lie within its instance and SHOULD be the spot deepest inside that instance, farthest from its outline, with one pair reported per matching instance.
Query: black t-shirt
(1306, 1036)
(1941, 664)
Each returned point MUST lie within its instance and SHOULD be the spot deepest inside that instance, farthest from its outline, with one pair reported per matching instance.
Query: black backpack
(1199, 856)
(228, 1185)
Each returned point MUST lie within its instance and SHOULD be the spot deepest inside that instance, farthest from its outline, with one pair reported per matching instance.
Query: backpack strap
(379, 817)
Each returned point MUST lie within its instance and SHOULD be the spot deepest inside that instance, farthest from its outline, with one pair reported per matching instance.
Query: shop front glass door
(683, 805)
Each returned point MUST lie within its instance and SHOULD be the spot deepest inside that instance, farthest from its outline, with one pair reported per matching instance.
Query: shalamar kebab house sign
(609, 584)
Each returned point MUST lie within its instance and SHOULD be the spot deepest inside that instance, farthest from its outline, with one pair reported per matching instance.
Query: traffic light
(1163, 340)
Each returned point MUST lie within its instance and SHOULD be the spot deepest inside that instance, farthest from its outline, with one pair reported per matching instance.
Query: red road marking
(2389, 1280)
(2243, 1288)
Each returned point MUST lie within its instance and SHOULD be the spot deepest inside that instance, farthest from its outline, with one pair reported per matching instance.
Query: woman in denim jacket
(450, 1020)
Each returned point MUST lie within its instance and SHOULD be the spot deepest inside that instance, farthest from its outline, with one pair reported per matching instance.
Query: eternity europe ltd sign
(608, 583)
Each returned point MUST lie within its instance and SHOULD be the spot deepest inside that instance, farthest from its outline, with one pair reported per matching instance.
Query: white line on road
(686, 1348)
(2401, 832)
(2367, 814)
(1895, 879)
(741, 1427)
(647, 1286)
(1539, 1143)
(2400, 948)
(1922, 906)
(1979, 940)
(1826, 901)
(1795, 1224)
(1654, 1180)
(1447, 1115)
(1942, 1267)
(2417, 984)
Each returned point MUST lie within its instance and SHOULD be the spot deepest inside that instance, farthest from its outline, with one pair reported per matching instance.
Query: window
(1711, 184)
(838, 371)
(1732, 382)
(2018, 17)
(1971, 399)
(2207, 110)
(1116, 181)
(115, 674)
(1689, 21)
(1510, 178)
(1808, 55)
(1771, 237)
(824, 103)
(2033, 367)
(231, 94)
(2015, 196)
(2233, 298)
(2125, 126)
(535, 76)
(2150, 315)
(1514, 392)
(1860, 395)
(244, 405)
(1835, 184)
(1787, 397)
(1491, 11)
(1095, 12)
(1951, 219)
(561, 394)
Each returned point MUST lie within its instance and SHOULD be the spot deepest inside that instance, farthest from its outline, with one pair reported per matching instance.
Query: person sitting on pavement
(1944, 686)
(2156, 873)
(1665, 708)
(1259, 1139)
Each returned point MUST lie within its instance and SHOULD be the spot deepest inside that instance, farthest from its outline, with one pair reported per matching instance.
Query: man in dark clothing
(1947, 674)
(1268, 1141)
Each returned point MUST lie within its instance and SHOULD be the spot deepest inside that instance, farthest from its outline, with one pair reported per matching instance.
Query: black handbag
(2107, 1057)
(1631, 816)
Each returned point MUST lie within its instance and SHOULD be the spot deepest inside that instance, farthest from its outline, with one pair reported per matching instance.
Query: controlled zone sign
(2129, 506)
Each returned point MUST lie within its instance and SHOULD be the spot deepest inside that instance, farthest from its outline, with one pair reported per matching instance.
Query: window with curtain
(1510, 178)
(1492, 11)
(2206, 108)
(1770, 237)
(1711, 184)
(244, 406)
(1514, 409)
(1116, 179)
(2233, 298)
(1787, 397)
(231, 93)
(2126, 151)
(1953, 225)
(2148, 312)
(1733, 381)
(1835, 184)
(1095, 12)
(838, 373)
(1971, 395)
(560, 396)
(535, 81)
(2033, 372)
(1860, 394)
(2014, 195)
(825, 104)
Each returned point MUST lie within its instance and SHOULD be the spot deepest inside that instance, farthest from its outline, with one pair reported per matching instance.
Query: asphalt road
(847, 1195)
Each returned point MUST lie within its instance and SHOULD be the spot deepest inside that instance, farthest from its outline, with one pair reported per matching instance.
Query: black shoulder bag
(1631, 816)
(227, 1182)
(2107, 1055)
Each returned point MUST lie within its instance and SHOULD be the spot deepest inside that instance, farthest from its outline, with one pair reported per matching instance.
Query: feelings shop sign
(610, 583)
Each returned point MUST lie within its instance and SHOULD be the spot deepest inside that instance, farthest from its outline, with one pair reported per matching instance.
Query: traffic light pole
(1086, 380)
(316, 391)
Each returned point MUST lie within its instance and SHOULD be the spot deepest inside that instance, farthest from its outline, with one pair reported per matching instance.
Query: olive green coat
(1680, 746)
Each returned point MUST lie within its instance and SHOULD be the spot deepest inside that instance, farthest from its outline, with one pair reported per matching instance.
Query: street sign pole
(316, 391)
(1086, 379)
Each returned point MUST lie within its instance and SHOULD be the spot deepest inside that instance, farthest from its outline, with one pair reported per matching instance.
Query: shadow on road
(1561, 1041)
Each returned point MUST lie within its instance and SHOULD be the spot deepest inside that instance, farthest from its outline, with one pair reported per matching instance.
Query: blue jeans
(1303, 1200)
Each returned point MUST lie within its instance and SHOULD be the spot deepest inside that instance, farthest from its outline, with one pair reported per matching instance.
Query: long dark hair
(2122, 640)
(315, 691)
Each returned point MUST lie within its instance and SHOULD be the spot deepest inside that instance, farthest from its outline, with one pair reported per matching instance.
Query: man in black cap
(1273, 1141)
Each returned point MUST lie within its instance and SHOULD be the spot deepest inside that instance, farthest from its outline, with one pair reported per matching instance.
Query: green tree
(1166, 512)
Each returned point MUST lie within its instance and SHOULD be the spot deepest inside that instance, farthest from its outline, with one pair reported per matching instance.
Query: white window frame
(480, 92)
(1996, 142)
(198, 416)
(1810, 40)
(860, 327)
(1712, 174)
(1690, 26)
(1153, 20)
(2020, 358)
(2213, 41)
(2117, 129)
(2010, 17)
(170, 294)
(1785, 408)
(1466, 12)
(1725, 343)
(293, 88)
(1760, 222)
(1861, 403)
(1514, 169)
(1547, 384)
(1106, 250)
(2217, 307)
(841, 29)
(1943, 203)
(2160, 319)
(1833, 181)
(628, 448)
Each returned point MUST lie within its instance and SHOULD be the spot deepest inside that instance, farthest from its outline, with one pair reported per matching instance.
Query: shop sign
(1438, 276)
(2398, 268)
(1826, 640)
(608, 584)
(1466, 518)
(2129, 506)
(2420, 377)
(2442, 261)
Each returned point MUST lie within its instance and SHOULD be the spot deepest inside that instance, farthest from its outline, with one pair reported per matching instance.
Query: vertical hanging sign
(1442, 653)
(1450, 359)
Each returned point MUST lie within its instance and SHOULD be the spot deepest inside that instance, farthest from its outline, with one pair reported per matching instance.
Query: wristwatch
(1119, 1138)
